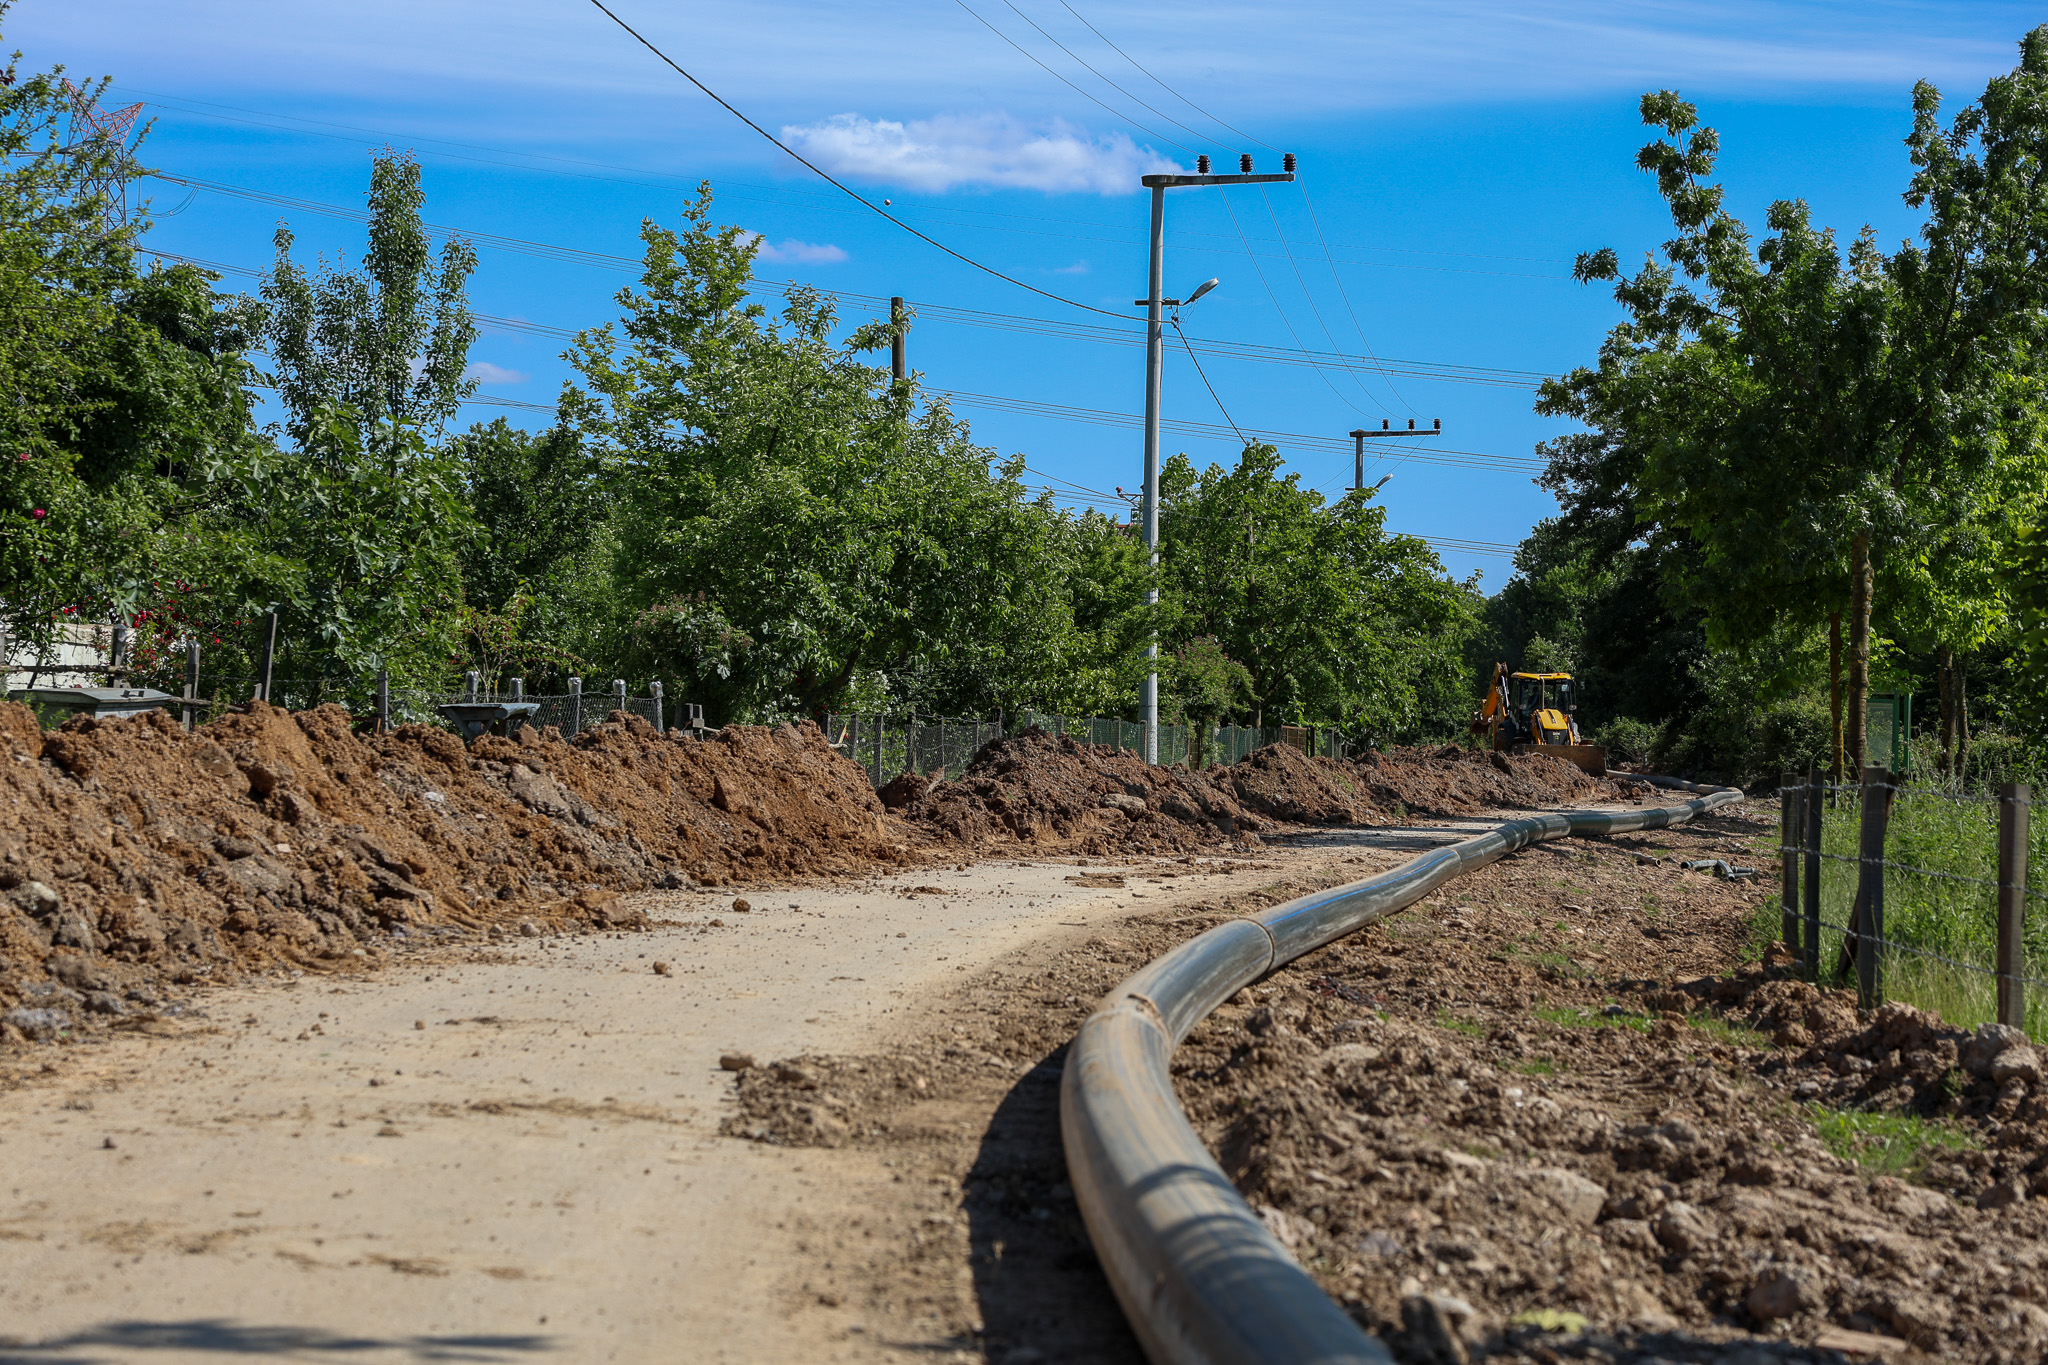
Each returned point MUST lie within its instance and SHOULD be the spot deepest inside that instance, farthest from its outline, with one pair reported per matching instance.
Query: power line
(1175, 320)
(1466, 459)
(780, 194)
(1131, 334)
(1191, 132)
(1162, 84)
(857, 198)
(1114, 113)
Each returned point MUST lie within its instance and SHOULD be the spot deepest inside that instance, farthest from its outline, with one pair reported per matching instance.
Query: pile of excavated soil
(267, 837)
(1525, 1131)
(133, 848)
(1053, 792)
(1544, 1116)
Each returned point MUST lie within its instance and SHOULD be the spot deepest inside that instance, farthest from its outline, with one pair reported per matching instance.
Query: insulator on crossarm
(1201, 165)
(1287, 163)
(1244, 164)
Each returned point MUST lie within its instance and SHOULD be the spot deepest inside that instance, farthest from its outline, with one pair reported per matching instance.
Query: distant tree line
(735, 500)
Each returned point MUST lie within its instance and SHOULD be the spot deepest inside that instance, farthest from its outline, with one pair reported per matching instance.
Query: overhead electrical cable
(1130, 334)
(1308, 294)
(877, 209)
(1205, 379)
(1195, 133)
(1285, 321)
(776, 194)
(1162, 84)
(1114, 113)
(1343, 293)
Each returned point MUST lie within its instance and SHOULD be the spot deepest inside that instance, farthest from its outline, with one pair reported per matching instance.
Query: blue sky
(1454, 155)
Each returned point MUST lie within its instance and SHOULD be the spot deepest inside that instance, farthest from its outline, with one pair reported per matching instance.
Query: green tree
(387, 342)
(125, 420)
(538, 569)
(1800, 414)
(1332, 619)
(792, 525)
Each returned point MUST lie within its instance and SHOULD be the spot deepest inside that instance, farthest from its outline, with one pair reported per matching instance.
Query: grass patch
(1766, 925)
(1888, 1144)
(1471, 1028)
(1734, 1035)
(1577, 1016)
(1534, 1066)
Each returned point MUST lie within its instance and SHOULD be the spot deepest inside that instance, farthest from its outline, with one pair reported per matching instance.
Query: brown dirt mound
(279, 837)
(1454, 781)
(1052, 791)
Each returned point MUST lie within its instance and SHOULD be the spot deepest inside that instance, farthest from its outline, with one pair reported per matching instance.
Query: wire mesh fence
(1944, 890)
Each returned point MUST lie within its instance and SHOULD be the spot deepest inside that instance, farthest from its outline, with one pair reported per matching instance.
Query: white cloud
(483, 371)
(790, 249)
(1077, 268)
(996, 150)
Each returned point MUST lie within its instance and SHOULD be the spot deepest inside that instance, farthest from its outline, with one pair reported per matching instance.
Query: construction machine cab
(1525, 710)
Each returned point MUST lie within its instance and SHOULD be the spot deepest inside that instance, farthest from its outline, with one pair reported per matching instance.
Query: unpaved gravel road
(514, 1153)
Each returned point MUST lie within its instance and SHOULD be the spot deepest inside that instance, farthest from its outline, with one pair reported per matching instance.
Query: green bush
(1628, 740)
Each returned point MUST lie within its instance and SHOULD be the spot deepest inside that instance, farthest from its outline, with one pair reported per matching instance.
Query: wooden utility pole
(897, 339)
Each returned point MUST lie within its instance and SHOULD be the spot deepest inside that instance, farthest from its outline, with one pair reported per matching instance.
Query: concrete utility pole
(1360, 437)
(1155, 363)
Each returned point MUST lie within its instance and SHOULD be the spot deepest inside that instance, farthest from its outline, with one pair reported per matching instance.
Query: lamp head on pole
(1204, 287)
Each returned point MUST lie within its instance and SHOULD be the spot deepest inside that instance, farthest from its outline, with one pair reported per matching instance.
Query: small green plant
(1577, 1016)
(1889, 1144)
(1471, 1028)
(1765, 924)
(1534, 1066)
(1482, 1151)
(1735, 1035)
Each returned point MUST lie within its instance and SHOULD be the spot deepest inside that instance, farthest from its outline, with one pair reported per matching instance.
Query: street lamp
(1155, 362)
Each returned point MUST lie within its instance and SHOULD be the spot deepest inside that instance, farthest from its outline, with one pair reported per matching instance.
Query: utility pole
(1360, 437)
(896, 357)
(1155, 364)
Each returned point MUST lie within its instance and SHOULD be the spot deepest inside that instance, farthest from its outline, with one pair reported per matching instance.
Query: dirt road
(501, 1154)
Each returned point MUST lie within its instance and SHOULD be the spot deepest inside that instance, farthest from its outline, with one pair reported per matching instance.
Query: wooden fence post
(1791, 822)
(654, 689)
(191, 706)
(2012, 902)
(1866, 921)
(269, 656)
(1809, 891)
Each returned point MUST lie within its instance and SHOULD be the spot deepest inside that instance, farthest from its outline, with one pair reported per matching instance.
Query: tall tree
(1332, 619)
(795, 528)
(1799, 412)
(387, 342)
(124, 416)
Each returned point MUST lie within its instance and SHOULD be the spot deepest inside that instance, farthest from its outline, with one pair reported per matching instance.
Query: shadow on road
(1042, 1295)
(224, 1337)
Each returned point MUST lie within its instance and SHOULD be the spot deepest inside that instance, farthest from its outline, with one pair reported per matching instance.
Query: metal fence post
(269, 653)
(469, 685)
(190, 708)
(383, 701)
(575, 707)
(1809, 891)
(2012, 902)
(1790, 823)
(1866, 921)
(517, 686)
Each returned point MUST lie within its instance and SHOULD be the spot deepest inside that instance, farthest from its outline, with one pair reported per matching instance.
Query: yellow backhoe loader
(1533, 712)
